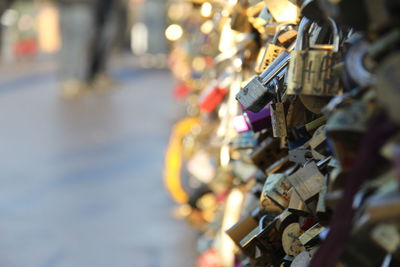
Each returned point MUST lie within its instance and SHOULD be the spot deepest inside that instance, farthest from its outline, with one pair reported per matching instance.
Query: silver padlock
(278, 119)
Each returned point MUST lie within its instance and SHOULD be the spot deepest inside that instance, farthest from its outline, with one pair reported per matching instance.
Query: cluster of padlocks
(289, 152)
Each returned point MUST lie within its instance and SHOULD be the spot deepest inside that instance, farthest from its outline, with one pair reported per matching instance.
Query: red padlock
(211, 98)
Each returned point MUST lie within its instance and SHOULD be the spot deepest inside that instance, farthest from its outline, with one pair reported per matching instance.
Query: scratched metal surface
(80, 181)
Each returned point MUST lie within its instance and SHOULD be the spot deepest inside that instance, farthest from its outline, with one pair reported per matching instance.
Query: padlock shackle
(302, 36)
(304, 25)
(279, 31)
(261, 223)
(275, 86)
(335, 34)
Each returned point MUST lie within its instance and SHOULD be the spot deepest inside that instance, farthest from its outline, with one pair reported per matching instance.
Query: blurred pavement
(80, 181)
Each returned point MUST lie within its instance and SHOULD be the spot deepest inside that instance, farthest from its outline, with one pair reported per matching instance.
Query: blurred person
(109, 23)
(77, 24)
(88, 29)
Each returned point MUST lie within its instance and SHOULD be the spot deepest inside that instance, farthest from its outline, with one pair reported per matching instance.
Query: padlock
(259, 120)
(254, 9)
(278, 117)
(240, 124)
(300, 155)
(240, 230)
(322, 211)
(281, 164)
(257, 16)
(272, 28)
(297, 114)
(263, 19)
(301, 134)
(266, 204)
(265, 15)
(211, 98)
(307, 181)
(264, 243)
(261, 54)
(257, 93)
(283, 10)
(276, 188)
(267, 152)
(240, 20)
(289, 227)
(270, 238)
(311, 69)
(318, 144)
(303, 259)
(244, 140)
(288, 37)
(297, 205)
(285, 218)
(270, 51)
(290, 239)
(310, 238)
(383, 208)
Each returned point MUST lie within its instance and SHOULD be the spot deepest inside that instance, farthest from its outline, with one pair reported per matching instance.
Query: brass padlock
(311, 69)
(270, 51)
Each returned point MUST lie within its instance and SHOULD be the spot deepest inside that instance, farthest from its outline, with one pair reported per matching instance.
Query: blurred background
(85, 113)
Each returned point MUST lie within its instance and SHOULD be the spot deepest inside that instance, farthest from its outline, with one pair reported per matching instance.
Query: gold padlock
(270, 51)
(311, 69)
